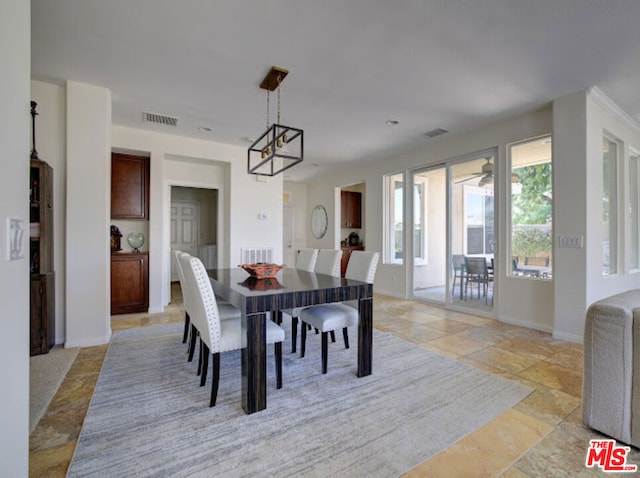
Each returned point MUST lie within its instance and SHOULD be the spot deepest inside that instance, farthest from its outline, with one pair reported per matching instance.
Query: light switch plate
(15, 239)
(570, 241)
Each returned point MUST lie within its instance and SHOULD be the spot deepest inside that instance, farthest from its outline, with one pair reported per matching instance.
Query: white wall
(579, 121)
(51, 127)
(15, 28)
(88, 193)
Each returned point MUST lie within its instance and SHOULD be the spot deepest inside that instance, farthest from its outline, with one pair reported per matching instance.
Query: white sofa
(611, 385)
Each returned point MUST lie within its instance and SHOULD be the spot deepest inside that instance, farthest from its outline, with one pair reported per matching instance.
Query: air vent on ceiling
(435, 132)
(159, 119)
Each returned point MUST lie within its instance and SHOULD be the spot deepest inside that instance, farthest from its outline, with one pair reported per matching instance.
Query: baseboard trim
(88, 341)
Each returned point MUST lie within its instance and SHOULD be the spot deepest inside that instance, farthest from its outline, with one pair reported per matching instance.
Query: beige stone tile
(423, 318)
(488, 451)
(417, 333)
(52, 462)
(487, 368)
(160, 319)
(548, 405)
(58, 427)
(569, 357)
(572, 425)
(484, 334)
(557, 455)
(459, 345)
(473, 320)
(88, 361)
(440, 351)
(74, 391)
(556, 377)
(450, 326)
(542, 348)
(505, 360)
(125, 323)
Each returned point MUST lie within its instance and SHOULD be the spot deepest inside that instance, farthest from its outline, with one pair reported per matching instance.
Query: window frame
(391, 242)
(613, 219)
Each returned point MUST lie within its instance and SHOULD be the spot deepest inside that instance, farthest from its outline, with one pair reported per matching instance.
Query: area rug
(149, 417)
(46, 373)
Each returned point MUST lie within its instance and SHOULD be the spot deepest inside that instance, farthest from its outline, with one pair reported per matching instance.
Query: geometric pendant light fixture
(279, 147)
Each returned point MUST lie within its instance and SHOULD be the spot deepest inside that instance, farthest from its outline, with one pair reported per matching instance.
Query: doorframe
(223, 253)
(408, 220)
(196, 205)
(292, 211)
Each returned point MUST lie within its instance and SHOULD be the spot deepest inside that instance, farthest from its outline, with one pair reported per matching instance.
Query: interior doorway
(194, 224)
(288, 235)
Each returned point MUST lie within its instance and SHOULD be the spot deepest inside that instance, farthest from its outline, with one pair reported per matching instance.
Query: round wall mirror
(319, 221)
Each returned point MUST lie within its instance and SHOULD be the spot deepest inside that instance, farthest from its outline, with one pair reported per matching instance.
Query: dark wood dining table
(288, 289)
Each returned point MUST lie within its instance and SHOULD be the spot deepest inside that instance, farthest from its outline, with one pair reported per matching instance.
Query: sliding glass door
(453, 232)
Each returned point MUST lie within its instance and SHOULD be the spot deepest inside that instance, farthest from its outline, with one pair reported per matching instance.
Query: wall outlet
(570, 241)
(263, 216)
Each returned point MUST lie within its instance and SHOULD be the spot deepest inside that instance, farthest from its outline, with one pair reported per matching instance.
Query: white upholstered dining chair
(225, 310)
(306, 259)
(176, 261)
(327, 261)
(330, 317)
(218, 335)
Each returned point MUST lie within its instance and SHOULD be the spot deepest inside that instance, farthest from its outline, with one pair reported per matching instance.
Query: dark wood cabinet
(42, 313)
(346, 254)
(129, 282)
(129, 187)
(42, 284)
(351, 209)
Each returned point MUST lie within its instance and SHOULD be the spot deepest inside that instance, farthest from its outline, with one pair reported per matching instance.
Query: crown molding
(598, 96)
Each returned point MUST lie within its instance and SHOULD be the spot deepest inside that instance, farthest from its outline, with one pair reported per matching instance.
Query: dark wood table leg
(365, 336)
(254, 363)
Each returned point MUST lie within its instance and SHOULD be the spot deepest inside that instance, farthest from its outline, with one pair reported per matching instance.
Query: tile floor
(541, 436)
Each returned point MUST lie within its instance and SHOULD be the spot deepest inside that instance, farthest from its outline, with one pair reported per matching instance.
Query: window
(419, 218)
(634, 211)
(394, 190)
(531, 209)
(478, 220)
(609, 206)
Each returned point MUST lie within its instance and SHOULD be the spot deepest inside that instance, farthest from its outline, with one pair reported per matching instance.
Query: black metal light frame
(264, 158)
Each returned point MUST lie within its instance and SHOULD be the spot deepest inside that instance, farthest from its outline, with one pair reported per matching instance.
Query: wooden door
(288, 237)
(129, 187)
(185, 229)
(129, 282)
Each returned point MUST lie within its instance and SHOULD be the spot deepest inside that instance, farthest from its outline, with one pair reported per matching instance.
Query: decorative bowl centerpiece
(262, 270)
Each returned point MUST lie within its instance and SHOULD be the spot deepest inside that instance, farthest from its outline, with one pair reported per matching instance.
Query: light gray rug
(148, 417)
(46, 373)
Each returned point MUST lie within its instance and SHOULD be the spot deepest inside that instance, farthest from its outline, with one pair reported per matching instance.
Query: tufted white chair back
(362, 266)
(329, 262)
(187, 287)
(204, 304)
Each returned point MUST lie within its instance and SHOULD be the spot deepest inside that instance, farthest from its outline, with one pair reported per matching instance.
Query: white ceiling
(354, 64)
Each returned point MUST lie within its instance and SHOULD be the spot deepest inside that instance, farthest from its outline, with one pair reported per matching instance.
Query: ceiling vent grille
(159, 119)
(435, 132)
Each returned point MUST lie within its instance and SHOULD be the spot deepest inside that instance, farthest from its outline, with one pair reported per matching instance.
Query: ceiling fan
(486, 174)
